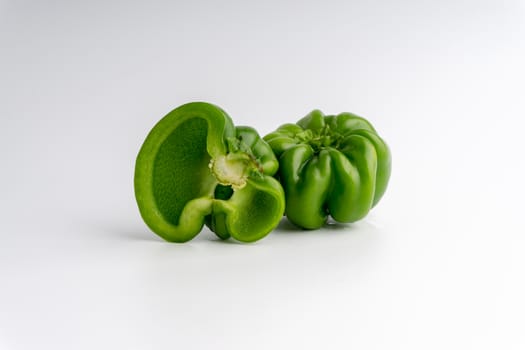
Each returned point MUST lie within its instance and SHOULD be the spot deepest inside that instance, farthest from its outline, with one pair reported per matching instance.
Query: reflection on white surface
(437, 262)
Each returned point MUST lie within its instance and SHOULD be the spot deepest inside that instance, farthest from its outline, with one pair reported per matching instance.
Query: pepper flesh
(195, 167)
(333, 165)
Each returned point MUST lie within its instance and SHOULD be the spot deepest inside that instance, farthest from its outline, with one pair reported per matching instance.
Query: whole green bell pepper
(195, 167)
(330, 165)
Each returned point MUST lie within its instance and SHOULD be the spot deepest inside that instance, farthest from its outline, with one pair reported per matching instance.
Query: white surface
(439, 263)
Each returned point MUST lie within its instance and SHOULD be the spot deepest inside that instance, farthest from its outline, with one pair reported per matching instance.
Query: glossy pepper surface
(195, 167)
(334, 165)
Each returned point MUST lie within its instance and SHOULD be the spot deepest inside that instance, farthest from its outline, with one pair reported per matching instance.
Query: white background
(438, 264)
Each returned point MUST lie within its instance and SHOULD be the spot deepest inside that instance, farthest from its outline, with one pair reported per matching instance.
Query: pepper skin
(333, 165)
(195, 167)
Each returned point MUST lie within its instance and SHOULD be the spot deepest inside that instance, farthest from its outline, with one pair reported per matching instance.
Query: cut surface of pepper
(195, 167)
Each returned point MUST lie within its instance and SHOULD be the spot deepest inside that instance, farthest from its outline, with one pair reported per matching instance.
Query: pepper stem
(320, 139)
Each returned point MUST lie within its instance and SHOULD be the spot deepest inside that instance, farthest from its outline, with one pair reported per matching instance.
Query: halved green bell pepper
(195, 167)
(333, 165)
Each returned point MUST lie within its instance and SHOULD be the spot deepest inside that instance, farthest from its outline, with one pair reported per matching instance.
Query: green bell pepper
(330, 166)
(195, 167)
